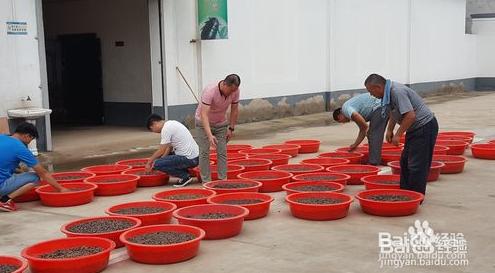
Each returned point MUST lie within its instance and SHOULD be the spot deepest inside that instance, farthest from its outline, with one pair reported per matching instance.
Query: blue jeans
(416, 158)
(176, 165)
(17, 181)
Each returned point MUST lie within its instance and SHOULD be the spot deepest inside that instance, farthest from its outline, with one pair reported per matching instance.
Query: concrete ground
(461, 203)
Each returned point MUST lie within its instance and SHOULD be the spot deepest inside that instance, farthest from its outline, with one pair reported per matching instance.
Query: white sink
(28, 112)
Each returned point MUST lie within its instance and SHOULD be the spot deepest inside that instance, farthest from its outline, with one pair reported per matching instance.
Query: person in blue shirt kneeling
(13, 150)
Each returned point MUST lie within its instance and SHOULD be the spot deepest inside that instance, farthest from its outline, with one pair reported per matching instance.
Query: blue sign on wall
(17, 28)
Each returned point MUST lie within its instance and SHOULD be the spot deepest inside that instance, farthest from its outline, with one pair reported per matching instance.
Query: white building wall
(484, 29)
(440, 49)
(368, 37)
(19, 59)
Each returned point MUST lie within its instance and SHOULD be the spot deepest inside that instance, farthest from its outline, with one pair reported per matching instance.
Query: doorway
(75, 79)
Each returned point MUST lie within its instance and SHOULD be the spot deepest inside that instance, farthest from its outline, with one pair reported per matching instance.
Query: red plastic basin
(256, 211)
(85, 264)
(276, 159)
(386, 146)
(434, 174)
(253, 164)
(440, 150)
(157, 218)
(287, 149)
(53, 198)
(126, 183)
(272, 181)
(214, 228)
(316, 211)
(360, 149)
(21, 265)
(299, 168)
(138, 163)
(203, 193)
(326, 162)
(71, 177)
(28, 196)
(106, 169)
(307, 145)
(232, 171)
(323, 177)
(356, 172)
(254, 186)
(235, 148)
(163, 254)
(483, 151)
(295, 187)
(153, 179)
(387, 208)
(354, 158)
(372, 182)
(456, 147)
(390, 155)
(230, 156)
(453, 163)
(260, 151)
(113, 235)
(455, 137)
(491, 141)
(458, 133)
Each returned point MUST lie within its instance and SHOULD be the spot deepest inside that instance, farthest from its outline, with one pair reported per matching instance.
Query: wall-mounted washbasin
(28, 113)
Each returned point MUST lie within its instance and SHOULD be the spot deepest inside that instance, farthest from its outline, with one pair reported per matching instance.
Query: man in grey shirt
(408, 109)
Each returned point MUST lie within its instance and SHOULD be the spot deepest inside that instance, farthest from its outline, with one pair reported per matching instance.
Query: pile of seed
(298, 168)
(100, 226)
(72, 252)
(388, 182)
(142, 173)
(355, 171)
(78, 189)
(183, 196)
(135, 164)
(267, 176)
(162, 238)
(389, 197)
(110, 180)
(71, 177)
(320, 178)
(139, 210)
(7, 268)
(232, 185)
(249, 163)
(242, 201)
(318, 201)
(342, 156)
(211, 215)
(314, 188)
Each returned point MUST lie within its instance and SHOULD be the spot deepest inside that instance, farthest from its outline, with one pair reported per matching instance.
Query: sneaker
(183, 182)
(7, 206)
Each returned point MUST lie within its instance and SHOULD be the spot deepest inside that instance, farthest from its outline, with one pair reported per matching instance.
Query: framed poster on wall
(212, 19)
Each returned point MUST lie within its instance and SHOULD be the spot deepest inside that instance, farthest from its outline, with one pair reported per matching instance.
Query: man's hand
(396, 140)
(230, 134)
(389, 136)
(148, 167)
(352, 148)
(213, 141)
(62, 189)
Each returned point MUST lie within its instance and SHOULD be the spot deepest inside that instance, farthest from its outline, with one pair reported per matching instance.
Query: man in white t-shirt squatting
(177, 152)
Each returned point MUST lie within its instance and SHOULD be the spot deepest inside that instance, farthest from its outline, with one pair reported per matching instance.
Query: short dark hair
(152, 119)
(26, 128)
(336, 114)
(375, 79)
(232, 79)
